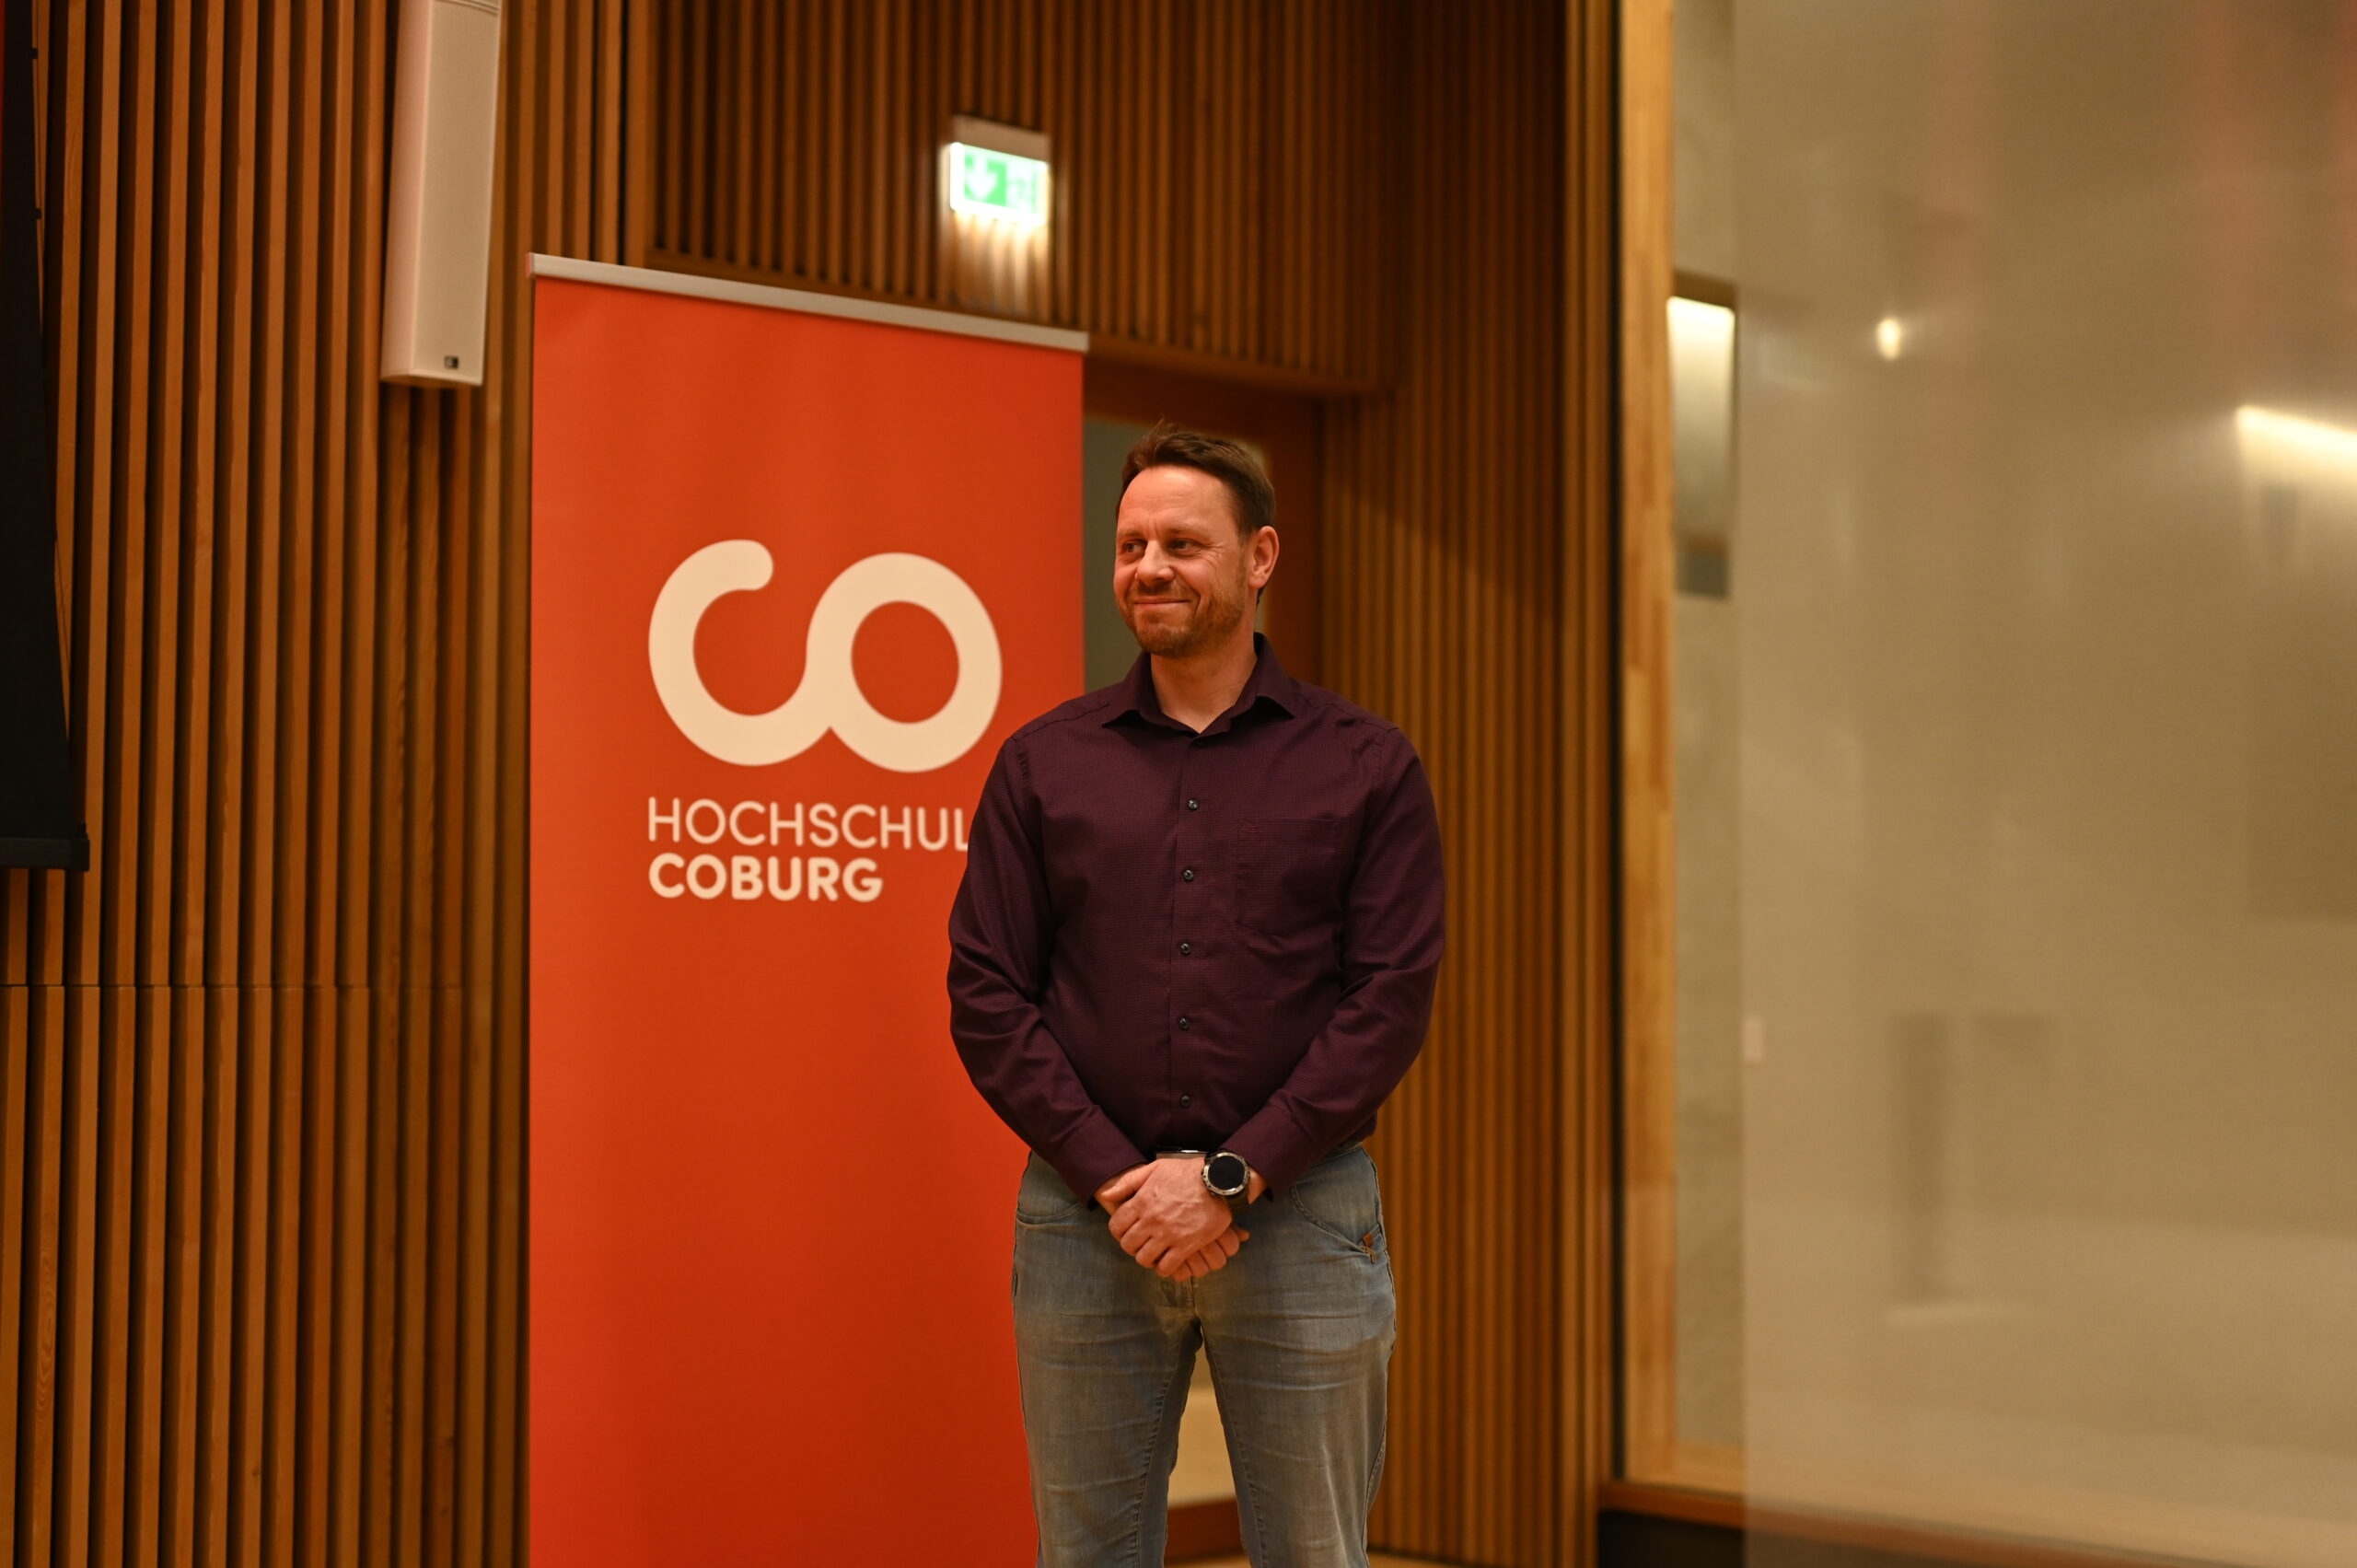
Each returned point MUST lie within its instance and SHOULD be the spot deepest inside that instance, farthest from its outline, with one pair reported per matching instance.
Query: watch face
(1227, 1172)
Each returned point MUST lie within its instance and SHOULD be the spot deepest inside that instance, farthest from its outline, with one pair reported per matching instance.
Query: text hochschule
(765, 824)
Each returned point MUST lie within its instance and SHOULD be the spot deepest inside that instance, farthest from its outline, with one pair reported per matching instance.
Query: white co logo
(829, 697)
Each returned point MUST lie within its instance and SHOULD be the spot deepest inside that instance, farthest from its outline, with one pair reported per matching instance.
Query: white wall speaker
(437, 223)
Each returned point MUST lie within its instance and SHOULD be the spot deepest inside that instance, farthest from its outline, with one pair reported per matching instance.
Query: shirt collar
(1269, 684)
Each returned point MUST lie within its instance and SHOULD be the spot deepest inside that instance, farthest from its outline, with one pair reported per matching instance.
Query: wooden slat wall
(1413, 200)
(1464, 599)
(260, 1203)
(1227, 170)
(260, 1198)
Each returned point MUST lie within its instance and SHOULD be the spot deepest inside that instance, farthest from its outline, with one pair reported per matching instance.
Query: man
(1193, 952)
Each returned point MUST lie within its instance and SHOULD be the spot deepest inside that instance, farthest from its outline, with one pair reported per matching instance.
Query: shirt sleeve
(1392, 919)
(1000, 931)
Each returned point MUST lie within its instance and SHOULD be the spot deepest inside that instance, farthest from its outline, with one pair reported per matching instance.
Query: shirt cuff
(1093, 1156)
(1274, 1145)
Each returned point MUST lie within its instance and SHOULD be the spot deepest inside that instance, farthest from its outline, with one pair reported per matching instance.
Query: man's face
(1184, 576)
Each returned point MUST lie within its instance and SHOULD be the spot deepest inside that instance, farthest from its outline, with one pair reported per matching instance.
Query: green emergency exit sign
(997, 185)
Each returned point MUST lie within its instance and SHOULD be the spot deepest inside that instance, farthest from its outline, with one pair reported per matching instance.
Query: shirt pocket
(1289, 874)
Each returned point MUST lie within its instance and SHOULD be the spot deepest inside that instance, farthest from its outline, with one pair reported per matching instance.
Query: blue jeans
(1298, 1327)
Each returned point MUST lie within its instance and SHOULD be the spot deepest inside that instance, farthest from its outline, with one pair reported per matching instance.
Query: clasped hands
(1165, 1218)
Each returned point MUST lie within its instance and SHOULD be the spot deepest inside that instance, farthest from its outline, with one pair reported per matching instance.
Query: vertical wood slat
(260, 1206)
(16, 1080)
(1649, 747)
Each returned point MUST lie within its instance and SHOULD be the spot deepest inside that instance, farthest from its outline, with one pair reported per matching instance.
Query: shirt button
(1193, 806)
(1188, 874)
(1186, 1023)
(1185, 948)
(1186, 1100)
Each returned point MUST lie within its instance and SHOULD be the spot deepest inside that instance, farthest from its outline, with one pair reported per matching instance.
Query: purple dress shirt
(1172, 940)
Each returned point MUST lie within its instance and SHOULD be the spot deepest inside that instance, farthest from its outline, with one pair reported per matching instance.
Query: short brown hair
(1250, 494)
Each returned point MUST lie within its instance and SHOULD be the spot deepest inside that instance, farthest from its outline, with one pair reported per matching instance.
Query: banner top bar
(696, 286)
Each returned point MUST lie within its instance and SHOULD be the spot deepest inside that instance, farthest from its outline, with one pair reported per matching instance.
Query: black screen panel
(38, 823)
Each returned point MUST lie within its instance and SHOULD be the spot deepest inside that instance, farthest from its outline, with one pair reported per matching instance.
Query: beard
(1206, 624)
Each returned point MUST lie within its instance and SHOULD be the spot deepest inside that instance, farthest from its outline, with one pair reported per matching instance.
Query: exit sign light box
(989, 184)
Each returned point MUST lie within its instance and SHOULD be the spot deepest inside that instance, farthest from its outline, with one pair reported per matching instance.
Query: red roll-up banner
(798, 566)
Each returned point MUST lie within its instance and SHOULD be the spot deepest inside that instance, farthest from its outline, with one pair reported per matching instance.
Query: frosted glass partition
(2047, 642)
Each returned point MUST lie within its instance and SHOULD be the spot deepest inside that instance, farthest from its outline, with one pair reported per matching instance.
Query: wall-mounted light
(2310, 436)
(1890, 338)
(998, 207)
(1701, 411)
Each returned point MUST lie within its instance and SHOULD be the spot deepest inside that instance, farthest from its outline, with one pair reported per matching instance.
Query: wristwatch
(1227, 1174)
